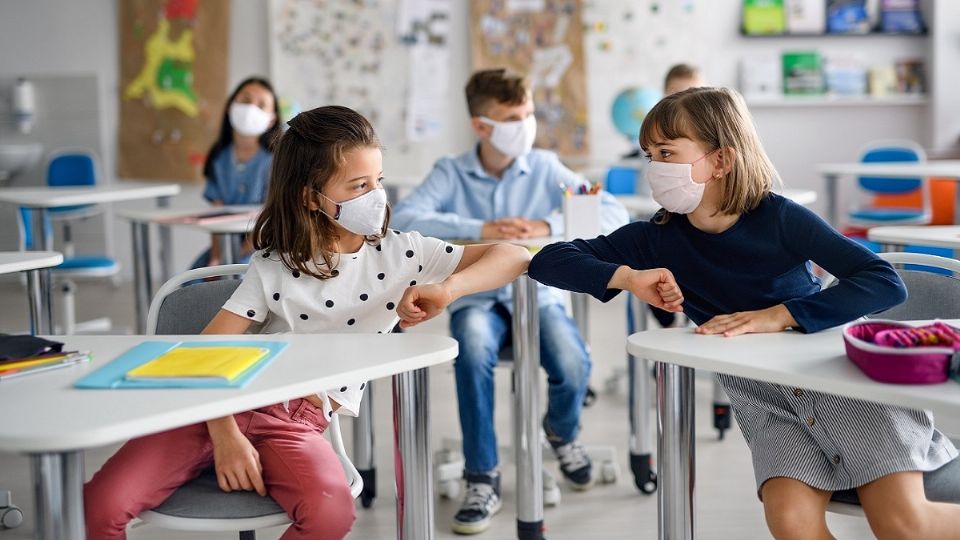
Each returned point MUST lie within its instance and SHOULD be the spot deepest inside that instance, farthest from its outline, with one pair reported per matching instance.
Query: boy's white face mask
(250, 120)
(363, 215)
(515, 138)
(673, 187)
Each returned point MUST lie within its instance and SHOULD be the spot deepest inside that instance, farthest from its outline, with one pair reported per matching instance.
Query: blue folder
(113, 375)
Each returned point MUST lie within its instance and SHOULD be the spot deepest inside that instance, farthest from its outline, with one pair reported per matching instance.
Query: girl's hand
(421, 303)
(774, 319)
(656, 287)
(236, 461)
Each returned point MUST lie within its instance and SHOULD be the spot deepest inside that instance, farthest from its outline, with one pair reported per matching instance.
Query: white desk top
(44, 413)
(815, 361)
(947, 169)
(20, 261)
(52, 197)
(646, 206)
(947, 236)
(168, 216)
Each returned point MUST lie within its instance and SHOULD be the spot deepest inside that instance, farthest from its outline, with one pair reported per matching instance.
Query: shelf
(832, 35)
(837, 101)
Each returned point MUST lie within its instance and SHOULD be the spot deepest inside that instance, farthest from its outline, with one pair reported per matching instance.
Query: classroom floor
(727, 506)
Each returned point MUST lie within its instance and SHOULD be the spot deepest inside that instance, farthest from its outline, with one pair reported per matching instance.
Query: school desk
(230, 230)
(33, 263)
(947, 169)
(62, 421)
(788, 358)
(41, 199)
(945, 236)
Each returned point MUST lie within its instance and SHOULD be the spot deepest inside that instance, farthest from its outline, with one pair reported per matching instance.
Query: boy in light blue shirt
(504, 189)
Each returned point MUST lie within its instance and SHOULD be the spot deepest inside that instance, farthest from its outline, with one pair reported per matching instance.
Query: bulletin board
(387, 59)
(544, 40)
(173, 77)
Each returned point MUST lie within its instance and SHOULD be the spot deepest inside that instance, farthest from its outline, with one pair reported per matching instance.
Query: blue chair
(887, 152)
(60, 168)
(621, 180)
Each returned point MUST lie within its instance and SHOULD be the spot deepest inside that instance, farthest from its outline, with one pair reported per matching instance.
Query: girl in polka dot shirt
(326, 261)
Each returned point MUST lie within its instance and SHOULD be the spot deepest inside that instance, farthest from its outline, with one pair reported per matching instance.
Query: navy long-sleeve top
(761, 261)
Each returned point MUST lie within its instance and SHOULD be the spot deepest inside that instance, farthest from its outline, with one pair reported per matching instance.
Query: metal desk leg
(675, 452)
(227, 249)
(166, 244)
(526, 411)
(363, 447)
(580, 305)
(640, 393)
(41, 218)
(832, 216)
(36, 301)
(414, 467)
(58, 489)
(142, 279)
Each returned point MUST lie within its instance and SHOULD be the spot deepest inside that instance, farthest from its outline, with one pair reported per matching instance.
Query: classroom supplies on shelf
(806, 16)
(802, 73)
(901, 17)
(29, 365)
(115, 373)
(762, 17)
(848, 16)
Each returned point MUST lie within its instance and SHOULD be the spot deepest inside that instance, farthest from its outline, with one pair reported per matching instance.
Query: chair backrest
(930, 295)
(891, 151)
(186, 303)
(621, 180)
(71, 167)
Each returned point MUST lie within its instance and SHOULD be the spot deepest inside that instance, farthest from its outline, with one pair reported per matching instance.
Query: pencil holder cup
(581, 216)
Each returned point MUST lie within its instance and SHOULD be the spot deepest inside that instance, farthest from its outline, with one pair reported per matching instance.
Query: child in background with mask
(237, 167)
(741, 255)
(503, 189)
(326, 263)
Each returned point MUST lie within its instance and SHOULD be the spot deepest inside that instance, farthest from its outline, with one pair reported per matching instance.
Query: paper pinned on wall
(549, 65)
(429, 73)
(518, 6)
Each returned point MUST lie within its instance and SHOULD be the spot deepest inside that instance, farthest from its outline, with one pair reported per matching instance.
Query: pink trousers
(300, 471)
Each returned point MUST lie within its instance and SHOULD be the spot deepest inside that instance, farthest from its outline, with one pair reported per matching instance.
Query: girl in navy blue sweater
(742, 257)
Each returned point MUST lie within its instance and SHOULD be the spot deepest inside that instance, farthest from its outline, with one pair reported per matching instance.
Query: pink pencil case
(895, 352)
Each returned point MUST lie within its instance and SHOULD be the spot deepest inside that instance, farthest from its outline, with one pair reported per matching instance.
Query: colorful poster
(173, 76)
(546, 45)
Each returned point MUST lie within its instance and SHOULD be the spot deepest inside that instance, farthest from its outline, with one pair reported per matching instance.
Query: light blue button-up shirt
(458, 196)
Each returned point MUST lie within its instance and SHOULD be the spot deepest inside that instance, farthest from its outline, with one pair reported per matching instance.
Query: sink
(18, 157)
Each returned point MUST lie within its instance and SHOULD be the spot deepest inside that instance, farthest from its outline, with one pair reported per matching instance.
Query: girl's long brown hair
(305, 158)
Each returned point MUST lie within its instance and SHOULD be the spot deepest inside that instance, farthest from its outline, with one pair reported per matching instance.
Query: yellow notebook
(199, 363)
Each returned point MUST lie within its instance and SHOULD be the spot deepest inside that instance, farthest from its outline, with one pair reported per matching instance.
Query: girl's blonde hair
(306, 157)
(717, 117)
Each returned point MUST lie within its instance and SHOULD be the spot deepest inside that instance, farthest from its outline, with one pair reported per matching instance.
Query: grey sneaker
(480, 504)
(574, 462)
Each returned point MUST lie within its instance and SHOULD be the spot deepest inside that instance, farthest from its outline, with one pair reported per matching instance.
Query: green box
(803, 73)
(763, 17)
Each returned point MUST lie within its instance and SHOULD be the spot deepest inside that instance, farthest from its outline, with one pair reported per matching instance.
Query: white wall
(55, 37)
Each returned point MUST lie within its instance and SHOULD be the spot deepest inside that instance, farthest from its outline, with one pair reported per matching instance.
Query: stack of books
(16, 367)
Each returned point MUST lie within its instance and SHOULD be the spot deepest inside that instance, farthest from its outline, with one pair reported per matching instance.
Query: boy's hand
(237, 462)
(421, 303)
(774, 319)
(514, 228)
(656, 287)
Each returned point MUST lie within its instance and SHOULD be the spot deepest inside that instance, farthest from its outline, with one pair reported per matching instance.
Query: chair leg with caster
(11, 516)
(363, 447)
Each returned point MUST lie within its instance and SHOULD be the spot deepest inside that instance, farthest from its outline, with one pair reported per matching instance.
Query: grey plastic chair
(185, 306)
(930, 296)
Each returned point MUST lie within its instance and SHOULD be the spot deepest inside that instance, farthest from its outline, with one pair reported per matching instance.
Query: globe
(630, 107)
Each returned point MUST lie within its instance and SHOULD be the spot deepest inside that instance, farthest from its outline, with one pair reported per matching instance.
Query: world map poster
(173, 76)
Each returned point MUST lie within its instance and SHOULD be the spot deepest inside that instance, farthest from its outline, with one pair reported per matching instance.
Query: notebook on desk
(174, 364)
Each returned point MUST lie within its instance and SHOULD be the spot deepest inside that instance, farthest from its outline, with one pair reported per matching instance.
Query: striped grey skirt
(830, 442)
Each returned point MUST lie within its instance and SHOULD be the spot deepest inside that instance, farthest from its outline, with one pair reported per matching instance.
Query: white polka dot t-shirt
(362, 298)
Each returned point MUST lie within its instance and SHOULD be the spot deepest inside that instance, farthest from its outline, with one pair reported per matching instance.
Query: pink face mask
(673, 186)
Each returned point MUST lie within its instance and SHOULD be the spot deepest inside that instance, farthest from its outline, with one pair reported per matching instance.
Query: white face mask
(363, 215)
(515, 138)
(673, 186)
(249, 120)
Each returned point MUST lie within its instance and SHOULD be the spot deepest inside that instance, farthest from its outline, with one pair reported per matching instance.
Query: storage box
(581, 217)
